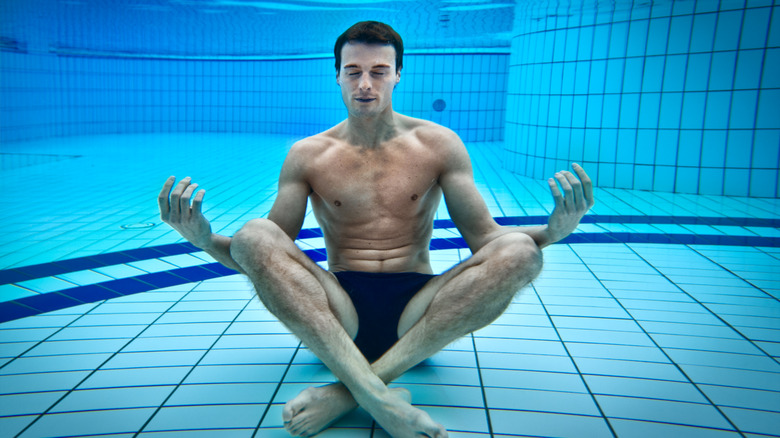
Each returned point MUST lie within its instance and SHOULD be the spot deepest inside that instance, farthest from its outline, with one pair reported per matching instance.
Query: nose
(365, 83)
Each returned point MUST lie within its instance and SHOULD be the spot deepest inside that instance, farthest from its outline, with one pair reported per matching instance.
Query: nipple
(337, 203)
(414, 197)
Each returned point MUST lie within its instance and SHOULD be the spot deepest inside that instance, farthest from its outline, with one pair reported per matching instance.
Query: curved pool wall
(678, 97)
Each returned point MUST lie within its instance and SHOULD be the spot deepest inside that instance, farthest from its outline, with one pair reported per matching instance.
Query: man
(375, 181)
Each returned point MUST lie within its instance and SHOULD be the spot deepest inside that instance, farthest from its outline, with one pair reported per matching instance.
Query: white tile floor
(627, 339)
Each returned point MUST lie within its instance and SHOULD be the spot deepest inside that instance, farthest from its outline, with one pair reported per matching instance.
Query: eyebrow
(385, 66)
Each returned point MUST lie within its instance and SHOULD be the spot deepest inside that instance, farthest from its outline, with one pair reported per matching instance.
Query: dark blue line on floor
(36, 304)
(16, 275)
(43, 270)
(41, 303)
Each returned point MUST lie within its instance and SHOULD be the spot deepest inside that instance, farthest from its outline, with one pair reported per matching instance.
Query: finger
(568, 196)
(556, 193)
(175, 198)
(197, 203)
(576, 187)
(587, 184)
(184, 201)
(162, 198)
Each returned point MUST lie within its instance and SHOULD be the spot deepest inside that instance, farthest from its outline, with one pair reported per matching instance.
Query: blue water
(659, 315)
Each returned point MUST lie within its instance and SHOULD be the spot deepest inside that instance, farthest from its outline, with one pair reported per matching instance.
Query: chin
(364, 112)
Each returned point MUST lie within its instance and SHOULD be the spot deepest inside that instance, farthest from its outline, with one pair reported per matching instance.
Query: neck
(371, 131)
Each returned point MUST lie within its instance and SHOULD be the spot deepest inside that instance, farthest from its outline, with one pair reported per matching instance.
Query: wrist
(548, 237)
(205, 243)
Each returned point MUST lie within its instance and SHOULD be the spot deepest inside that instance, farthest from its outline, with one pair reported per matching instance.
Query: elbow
(477, 241)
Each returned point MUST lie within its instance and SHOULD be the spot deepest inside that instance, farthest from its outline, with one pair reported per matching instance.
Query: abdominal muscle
(376, 241)
(408, 258)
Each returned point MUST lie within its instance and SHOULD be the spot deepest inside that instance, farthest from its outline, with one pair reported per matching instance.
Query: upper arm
(289, 208)
(465, 204)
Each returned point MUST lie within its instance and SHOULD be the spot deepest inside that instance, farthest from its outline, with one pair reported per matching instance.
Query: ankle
(373, 395)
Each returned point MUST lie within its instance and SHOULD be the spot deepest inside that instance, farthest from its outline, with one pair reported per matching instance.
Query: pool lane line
(50, 269)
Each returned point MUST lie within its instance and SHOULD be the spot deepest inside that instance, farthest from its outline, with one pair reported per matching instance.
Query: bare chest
(366, 184)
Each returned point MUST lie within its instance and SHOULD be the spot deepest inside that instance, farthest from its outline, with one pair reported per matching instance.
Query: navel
(414, 197)
(337, 203)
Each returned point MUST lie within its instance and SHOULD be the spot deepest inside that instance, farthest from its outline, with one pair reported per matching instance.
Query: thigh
(338, 300)
(417, 306)
(269, 253)
(340, 303)
(489, 278)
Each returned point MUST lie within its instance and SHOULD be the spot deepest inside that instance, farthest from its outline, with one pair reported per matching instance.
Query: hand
(187, 221)
(570, 207)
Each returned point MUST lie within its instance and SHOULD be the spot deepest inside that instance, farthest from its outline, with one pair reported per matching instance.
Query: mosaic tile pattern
(646, 324)
(675, 96)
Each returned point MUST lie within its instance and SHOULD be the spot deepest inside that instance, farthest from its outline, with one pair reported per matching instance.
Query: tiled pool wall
(676, 96)
(69, 93)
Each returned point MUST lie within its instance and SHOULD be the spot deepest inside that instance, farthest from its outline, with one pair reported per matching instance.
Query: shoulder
(298, 161)
(307, 151)
(309, 146)
(434, 136)
(443, 142)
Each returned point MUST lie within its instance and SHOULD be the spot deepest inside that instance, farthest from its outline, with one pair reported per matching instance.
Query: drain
(138, 226)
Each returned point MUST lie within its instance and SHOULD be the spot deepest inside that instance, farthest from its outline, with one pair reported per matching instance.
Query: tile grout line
(276, 391)
(53, 334)
(500, 175)
(482, 386)
(732, 273)
(773, 255)
(697, 301)
(661, 349)
(178, 385)
(21, 274)
(574, 363)
(97, 368)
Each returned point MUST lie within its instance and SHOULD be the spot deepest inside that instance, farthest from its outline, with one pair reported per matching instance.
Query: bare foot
(314, 409)
(401, 420)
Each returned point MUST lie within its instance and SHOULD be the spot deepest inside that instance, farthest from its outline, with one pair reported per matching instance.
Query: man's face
(367, 78)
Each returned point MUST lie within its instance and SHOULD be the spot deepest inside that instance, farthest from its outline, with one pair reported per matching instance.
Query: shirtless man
(375, 181)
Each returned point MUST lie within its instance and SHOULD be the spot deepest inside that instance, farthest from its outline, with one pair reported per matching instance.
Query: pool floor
(659, 316)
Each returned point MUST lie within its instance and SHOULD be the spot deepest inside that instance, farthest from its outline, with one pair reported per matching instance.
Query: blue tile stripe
(79, 295)
(43, 270)
(16, 275)
(46, 302)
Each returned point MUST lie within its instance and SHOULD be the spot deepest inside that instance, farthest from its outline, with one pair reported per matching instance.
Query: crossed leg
(312, 304)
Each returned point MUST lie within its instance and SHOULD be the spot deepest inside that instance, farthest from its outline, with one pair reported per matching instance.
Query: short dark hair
(370, 32)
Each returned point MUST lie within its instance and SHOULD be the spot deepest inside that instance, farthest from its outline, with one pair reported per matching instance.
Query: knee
(520, 254)
(254, 240)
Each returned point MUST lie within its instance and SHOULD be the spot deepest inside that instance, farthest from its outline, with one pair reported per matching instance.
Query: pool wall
(67, 93)
(679, 96)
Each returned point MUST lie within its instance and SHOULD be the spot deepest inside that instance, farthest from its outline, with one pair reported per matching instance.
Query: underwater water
(659, 315)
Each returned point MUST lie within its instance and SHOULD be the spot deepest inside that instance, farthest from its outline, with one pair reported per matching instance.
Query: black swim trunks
(379, 299)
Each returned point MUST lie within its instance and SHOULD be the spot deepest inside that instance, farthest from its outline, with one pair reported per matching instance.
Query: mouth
(365, 99)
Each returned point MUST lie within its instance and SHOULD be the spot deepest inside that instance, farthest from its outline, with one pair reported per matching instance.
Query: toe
(287, 413)
(293, 408)
(435, 430)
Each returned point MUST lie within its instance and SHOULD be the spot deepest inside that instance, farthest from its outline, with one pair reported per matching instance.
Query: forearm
(219, 249)
(539, 233)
